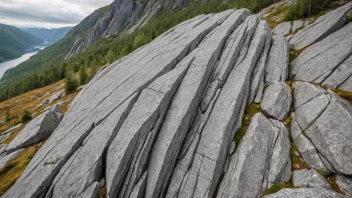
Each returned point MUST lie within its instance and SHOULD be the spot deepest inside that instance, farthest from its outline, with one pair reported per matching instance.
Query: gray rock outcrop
(283, 28)
(277, 100)
(278, 60)
(345, 184)
(325, 119)
(328, 62)
(261, 160)
(37, 130)
(6, 134)
(310, 179)
(146, 123)
(296, 25)
(321, 28)
(305, 192)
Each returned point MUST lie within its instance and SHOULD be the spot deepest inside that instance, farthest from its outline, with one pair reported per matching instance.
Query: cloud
(47, 13)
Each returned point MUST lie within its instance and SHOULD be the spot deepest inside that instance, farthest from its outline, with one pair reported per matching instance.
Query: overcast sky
(47, 13)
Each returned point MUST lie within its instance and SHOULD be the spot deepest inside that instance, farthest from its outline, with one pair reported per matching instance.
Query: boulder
(277, 100)
(57, 95)
(325, 119)
(310, 179)
(328, 62)
(278, 60)
(37, 130)
(304, 193)
(44, 102)
(283, 28)
(9, 157)
(6, 134)
(321, 28)
(345, 184)
(261, 160)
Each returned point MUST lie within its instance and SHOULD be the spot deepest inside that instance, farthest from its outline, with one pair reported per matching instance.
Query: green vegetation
(308, 8)
(277, 187)
(250, 111)
(349, 18)
(71, 83)
(26, 116)
(48, 65)
(15, 42)
(13, 170)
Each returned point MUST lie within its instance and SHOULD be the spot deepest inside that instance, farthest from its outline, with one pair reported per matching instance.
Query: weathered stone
(57, 95)
(345, 184)
(261, 159)
(91, 192)
(44, 102)
(283, 28)
(9, 157)
(3, 148)
(213, 147)
(278, 60)
(296, 25)
(105, 93)
(325, 119)
(183, 106)
(304, 193)
(139, 188)
(310, 179)
(306, 148)
(327, 61)
(152, 104)
(321, 28)
(37, 130)
(277, 100)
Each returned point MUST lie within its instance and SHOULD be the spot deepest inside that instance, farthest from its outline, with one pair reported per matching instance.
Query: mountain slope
(49, 35)
(14, 42)
(105, 48)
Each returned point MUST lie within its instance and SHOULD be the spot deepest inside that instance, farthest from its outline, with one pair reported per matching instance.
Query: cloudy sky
(47, 13)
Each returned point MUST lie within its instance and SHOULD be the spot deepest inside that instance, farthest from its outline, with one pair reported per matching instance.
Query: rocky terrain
(167, 120)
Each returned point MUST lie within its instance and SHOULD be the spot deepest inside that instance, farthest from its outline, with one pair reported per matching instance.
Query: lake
(13, 63)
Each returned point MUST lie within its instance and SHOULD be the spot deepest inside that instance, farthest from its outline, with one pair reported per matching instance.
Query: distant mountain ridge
(14, 42)
(49, 35)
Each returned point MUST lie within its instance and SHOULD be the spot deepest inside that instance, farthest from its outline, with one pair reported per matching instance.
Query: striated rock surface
(277, 100)
(328, 62)
(325, 119)
(321, 28)
(37, 130)
(345, 184)
(296, 25)
(305, 192)
(283, 28)
(310, 179)
(160, 122)
(278, 60)
(261, 160)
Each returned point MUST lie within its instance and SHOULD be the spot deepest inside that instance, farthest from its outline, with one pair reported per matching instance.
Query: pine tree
(83, 76)
(70, 82)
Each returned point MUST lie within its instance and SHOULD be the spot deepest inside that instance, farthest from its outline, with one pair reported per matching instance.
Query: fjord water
(13, 63)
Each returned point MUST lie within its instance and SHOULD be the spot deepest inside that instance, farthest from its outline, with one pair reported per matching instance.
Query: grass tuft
(249, 113)
(277, 187)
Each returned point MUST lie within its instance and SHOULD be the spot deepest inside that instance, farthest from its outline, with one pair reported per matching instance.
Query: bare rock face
(310, 179)
(328, 62)
(278, 60)
(283, 28)
(325, 119)
(37, 130)
(161, 121)
(345, 184)
(321, 28)
(305, 192)
(277, 100)
(261, 160)
(4, 160)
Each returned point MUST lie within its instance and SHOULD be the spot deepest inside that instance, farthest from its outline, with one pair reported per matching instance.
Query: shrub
(26, 115)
